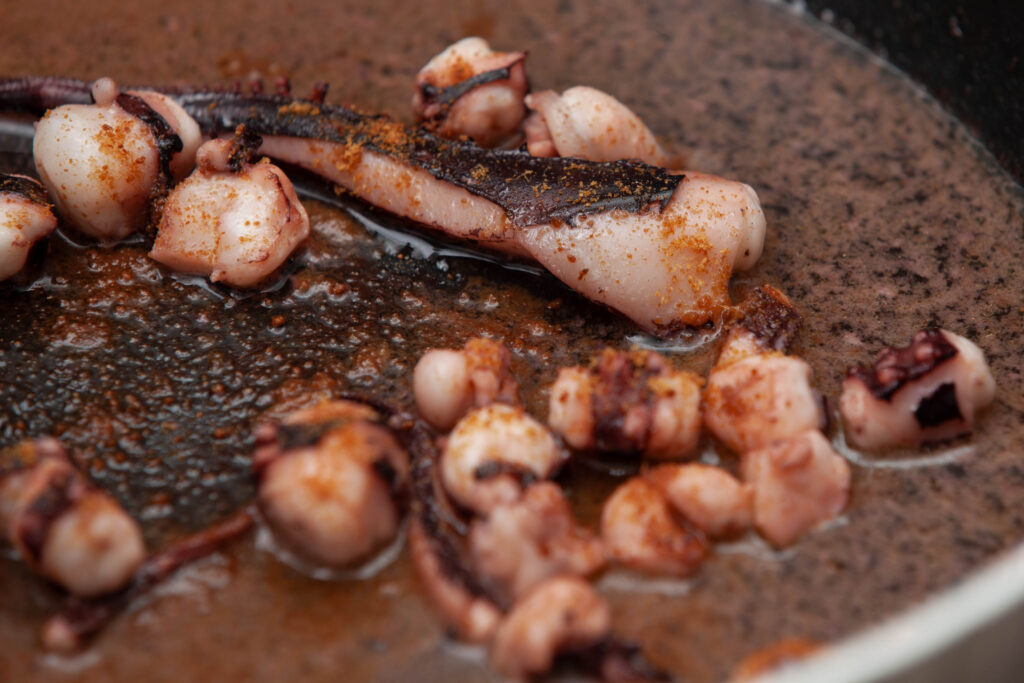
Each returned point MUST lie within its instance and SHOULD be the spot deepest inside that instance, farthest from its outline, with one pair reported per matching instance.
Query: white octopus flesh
(798, 483)
(64, 527)
(102, 164)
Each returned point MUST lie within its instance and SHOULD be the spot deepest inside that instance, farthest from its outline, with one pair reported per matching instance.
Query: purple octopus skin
(589, 223)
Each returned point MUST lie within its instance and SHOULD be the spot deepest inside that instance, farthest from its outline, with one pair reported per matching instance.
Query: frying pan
(156, 384)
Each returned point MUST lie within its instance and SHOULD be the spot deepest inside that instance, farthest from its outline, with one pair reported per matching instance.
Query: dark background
(969, 55)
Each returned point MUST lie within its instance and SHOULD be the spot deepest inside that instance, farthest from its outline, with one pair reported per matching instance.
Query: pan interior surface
(883, 215)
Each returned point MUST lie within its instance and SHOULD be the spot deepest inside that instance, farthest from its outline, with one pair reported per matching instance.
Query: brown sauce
(883, 218)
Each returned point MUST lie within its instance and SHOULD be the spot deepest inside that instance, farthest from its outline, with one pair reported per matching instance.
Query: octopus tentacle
(81, 619)
(531, 190)
(653, 244)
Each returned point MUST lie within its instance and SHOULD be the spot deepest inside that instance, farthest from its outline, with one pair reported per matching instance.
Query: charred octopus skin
(926, 392)
(234, 220)
(64, 527)
(104, 162)
(25, 218)
(329, 482)
(470, 90)
(627, 402)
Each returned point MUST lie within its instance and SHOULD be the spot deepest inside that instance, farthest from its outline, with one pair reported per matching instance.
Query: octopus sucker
(25, 218)
(437, 549)
(928, 391)
(493, 454)
(606, 213)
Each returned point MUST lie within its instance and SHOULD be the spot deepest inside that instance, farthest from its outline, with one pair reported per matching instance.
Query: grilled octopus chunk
(755, 394)
(103, 163)
(709, 497)
(522, 543)
(493, 454)
(641, 532)
(233, 219)
(447, 383)
(586, 123)
(798, 483)
(630, 402)
(470, 90)
(928, 391)
(25, 218)
(329, 482)
(562, 614)
(64, 527)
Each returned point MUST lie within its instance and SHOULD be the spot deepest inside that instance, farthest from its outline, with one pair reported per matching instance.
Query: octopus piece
(586, 123)
(641, 532)
(768, 323)
(64, 527)
(631, 402)
(665, 269)
(448, 383)
(761, 399)
(926, 392)
(25, 218)
(231, 220)
(103, 163)
(755, 394)
(657, 246)
(520, 544)
(471, 616)
(798, 483)
(470, 90)
(493, 454)
(708, 497)
(329, 481)
(563, 614)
